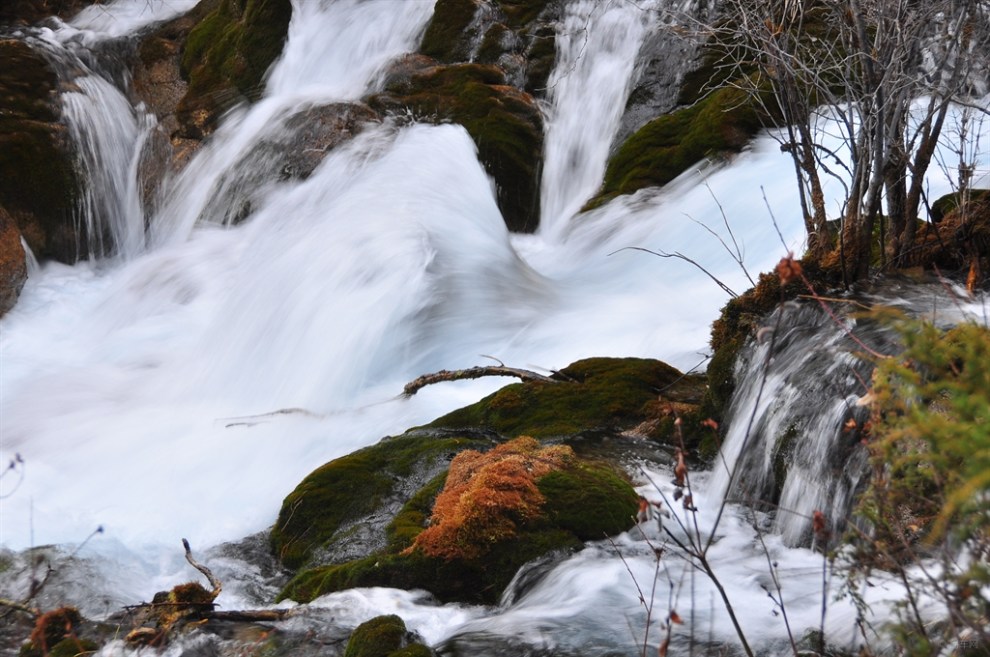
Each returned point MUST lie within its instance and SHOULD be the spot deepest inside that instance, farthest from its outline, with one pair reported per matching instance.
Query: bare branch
(214, 582)
(414, 386)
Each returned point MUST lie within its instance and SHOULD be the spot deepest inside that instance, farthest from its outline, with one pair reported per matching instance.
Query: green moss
(597, 393)
(227, 54)
(668, 146)
(589, 500)
(378, 637)
(412, 650)
(951, 202)
(73, 648)
(446, 38)
(505, 123)
(348, 488)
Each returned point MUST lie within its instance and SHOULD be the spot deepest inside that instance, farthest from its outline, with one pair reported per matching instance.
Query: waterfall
(788, 445)
(109, 135)
(597, 45)
(336, 49)
(795, 420)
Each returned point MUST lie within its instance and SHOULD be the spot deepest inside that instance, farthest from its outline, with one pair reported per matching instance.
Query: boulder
(459, 506)
(384, 636)
(497, 511)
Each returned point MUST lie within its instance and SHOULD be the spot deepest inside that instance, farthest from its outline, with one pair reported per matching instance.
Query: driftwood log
(414, 386)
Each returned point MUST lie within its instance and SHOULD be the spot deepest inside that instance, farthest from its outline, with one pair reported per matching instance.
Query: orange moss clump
(488, 497)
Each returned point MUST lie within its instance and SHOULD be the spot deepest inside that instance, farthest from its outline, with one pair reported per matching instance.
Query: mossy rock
(476, 582)
(585, 500)
(597, 394)
(521, 13)
(348, 489)
(448, 37)
(505, 123)
(226, 57)
(589, 500)
(722, 122)
(39, 186)
(951, 202)
(379, 637)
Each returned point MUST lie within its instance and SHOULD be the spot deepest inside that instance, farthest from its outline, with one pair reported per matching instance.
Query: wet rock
(226, 56)
(39, 186)
(13, 264)
(293, 148)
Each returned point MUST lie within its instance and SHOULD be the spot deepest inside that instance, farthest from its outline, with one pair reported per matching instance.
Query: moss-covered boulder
(226, 56)
(504, 122)
(463, 533)
(452, 31)
(497, 510)
(38, 183)
(383, 636)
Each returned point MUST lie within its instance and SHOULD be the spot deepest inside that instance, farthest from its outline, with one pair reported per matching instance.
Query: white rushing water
(122, 382)
(597, 45)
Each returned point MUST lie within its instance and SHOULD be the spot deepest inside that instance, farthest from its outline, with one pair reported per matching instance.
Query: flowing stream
(125, 381)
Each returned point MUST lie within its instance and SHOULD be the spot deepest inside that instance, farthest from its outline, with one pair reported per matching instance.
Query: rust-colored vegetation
(488, 497)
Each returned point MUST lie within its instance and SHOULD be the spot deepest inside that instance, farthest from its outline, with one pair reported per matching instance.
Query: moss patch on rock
(381, 636)
(226, 56)
(596, 394)
(504, 122)
(666, 147)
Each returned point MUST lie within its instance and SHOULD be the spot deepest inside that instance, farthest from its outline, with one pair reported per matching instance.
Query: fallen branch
(414, 386)
(20, 606)
(249, 616)
(214, 582)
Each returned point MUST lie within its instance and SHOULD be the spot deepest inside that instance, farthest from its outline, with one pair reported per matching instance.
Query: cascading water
(796, 420)
(389, 260)
(597, 45)
(108, 132)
